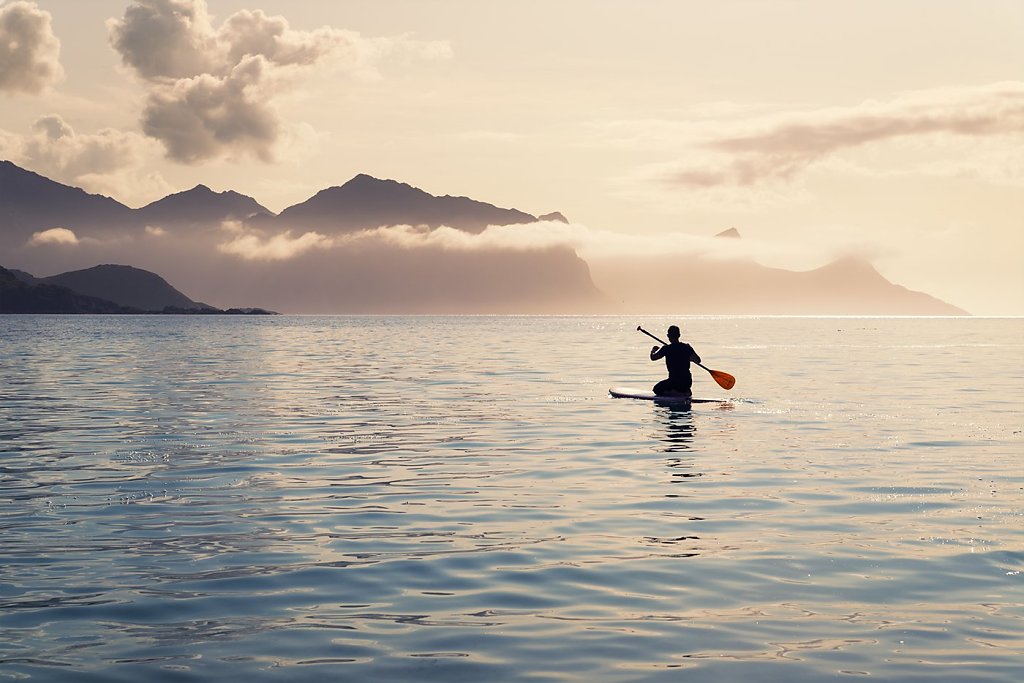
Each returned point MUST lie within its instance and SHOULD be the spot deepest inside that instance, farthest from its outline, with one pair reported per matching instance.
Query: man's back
(677, 359)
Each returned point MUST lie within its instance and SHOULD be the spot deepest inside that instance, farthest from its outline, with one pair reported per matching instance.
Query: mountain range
(317, 257)
(366, 202)
(201, 205)
(30, 203)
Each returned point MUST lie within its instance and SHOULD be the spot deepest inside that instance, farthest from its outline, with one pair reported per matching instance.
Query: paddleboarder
(678, 356)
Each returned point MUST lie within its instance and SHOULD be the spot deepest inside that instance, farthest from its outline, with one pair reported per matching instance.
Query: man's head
(673, 333)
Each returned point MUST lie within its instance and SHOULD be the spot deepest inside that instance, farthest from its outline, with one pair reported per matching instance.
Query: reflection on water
(678, 425)
(286, 499)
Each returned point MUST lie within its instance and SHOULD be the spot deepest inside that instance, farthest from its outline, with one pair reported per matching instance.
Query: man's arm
(657, 352)
(693, 355)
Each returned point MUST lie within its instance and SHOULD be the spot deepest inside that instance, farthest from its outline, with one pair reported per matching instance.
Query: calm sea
(457, 499)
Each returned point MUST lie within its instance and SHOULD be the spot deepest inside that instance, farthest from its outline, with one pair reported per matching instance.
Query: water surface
(456, 498)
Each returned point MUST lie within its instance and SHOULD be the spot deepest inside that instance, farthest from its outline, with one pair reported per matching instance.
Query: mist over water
(456, 498)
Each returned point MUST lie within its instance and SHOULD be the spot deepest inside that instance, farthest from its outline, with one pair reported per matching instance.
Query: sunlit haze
(891, 132)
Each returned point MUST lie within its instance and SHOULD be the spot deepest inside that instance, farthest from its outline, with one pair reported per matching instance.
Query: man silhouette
(677, 357)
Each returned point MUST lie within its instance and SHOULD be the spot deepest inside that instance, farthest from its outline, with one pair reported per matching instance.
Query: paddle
(724, 379)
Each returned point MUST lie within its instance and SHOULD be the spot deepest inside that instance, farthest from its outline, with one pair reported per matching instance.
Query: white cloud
(58, 151)
(779, 148)
(166, 39)
(249, 32)
(207, 116)
(597, 247)
(521, 237)
(212, 90)
(108, 161)
(818, 245)
(29, 51)
(540, 236)
(279, 247)
(54, 236)
(587, 242)
(751, 159)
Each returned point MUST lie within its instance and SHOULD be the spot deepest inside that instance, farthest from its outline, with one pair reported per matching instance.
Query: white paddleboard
(646, 395)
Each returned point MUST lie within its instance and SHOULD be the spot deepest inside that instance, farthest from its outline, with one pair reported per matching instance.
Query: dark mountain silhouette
(125, 286)
(29, 203)
(21, 292)
(366, 202)
(27, 278)
(201, 205)
(553, 216)
(17, 296)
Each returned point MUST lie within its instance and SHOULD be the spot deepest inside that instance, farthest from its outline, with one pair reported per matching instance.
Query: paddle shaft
(640, 329)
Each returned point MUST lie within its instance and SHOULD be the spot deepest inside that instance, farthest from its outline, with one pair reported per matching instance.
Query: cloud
(54, 236)
(453, 239)
(280, 247)
(56, 149)
(166, 39)
(212, 90)
(257, 245)
(107, 161)
(206, 116)
(29, 51)
(779, 148)
(818, 245)
(529, 237)
(602, 249)
(254, 33)
(587, 242)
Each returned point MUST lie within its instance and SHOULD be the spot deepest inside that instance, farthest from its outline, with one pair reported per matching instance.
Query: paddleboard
(646, 395)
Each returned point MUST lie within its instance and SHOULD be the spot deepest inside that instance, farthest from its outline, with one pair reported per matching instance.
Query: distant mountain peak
(852, 265)
(199, 191)
(365, 202)
(731, 232)
(554, 217)
(366, 178)
(363, 182)
(202, 205)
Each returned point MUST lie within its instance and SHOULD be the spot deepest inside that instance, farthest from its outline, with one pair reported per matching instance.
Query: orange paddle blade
(724, 379)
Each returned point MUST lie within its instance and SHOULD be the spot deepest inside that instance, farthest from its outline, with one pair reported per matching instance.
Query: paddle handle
(640, 329)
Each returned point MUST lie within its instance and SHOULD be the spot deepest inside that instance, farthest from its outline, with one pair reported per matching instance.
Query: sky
(891, 130)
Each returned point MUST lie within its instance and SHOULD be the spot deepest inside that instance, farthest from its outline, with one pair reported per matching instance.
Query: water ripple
(286, 499)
